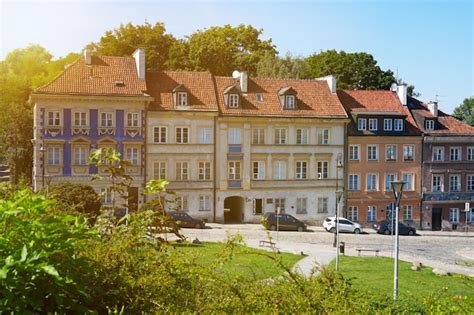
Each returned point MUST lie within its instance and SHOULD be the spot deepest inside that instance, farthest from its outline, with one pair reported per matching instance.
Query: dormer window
(233, 100)
(398, 124)
(180, 95)
(429, 124)
(182, 99)
(287, 98)
(232, 97)
(290, 101)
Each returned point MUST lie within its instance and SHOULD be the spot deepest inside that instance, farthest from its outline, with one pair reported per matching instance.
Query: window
(470, 183)
(408, 152)
(454, 182)
(353, 213)
(302, 136)
(182, 135)
(80, 119)
(280, 136)
(54, 119)
(354, 152)
(470, 154)
(373, 124)
(391, 152)
(454, 154)
(107, 119)
(258, 206)
(181, 170)
(258, 170)
(259, 97)
(181, 203)
(233, 100)
(204, 171)
(301, 168)
(234, 170)
(131, 155)
(322, 205)
(279, 170)
(372, 213)
(387, 124)
(235, 136)
(258, 136)
(323, 136)
(372, 153)
(159, 135)
(398, 124)
(280, 204)
(301, 205)
(133, 119)
(182, 99)
(389, 178)
(372, 182)
(159, 170)
(361, 124)
(80, 155)
(437, 183)
(290, 101)
(409, 180)
(408, 213)
(106, 196)
(438, 154)
(54, 155)
(454, 215)
(204, 203)
(429, 124)
(323, 169)
(353, 182)
(470, 215)
(205, 135)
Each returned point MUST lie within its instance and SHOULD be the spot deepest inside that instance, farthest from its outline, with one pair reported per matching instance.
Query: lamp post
(397, 187)
(338, 167)
(338, 199)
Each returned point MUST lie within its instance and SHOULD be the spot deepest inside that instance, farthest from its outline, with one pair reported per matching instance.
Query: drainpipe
(345, 168)
(214, 167)
(422, 180)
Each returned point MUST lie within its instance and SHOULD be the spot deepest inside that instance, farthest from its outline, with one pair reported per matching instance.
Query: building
(97, 102)
(384, 145)
(448, 167)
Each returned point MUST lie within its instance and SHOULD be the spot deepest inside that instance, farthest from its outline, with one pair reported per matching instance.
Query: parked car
(185, 220)
(345, 225)
(383, 227)
(285, 222)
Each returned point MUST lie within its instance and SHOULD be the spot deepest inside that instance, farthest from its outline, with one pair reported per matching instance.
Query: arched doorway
(234, 209)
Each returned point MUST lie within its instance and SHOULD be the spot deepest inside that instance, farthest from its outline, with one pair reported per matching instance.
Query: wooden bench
(267, 243)
(368, 250)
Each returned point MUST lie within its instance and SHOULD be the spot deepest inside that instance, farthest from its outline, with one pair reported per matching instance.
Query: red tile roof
(314, 99)
(199, 85)
(99, 78)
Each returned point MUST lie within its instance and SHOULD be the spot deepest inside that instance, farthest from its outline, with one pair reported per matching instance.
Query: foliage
(40, 270)
(77, 199)
(465, 111)
(289, 67)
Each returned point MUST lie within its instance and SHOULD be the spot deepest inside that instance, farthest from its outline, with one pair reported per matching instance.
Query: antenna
(235, 74)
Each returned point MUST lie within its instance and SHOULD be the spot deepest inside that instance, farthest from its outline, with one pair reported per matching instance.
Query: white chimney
(331, 81)
(433, 108)
(139, 56)
(402, 93)
(244, 77)
(87, 56)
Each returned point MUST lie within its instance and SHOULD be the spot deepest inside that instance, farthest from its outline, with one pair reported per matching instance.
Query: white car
(344, 225)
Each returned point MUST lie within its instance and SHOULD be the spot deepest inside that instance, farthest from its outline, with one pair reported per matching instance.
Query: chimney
(139, 56)
(402, 93)
(433, 108)
(331, 81)
(244, 78)
(87, 56)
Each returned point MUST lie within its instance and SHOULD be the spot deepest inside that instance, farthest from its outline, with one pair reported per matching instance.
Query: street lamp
(338, 199)
(397, 187)
(338, 167)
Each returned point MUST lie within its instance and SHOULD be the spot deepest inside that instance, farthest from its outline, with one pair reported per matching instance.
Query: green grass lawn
(375, 274)
(246, 262)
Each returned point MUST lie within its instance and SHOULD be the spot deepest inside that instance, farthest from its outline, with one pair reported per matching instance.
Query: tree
(288, 67)
(465, 111)
(124, 40)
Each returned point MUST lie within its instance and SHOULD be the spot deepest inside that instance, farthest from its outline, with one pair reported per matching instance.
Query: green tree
(288, 67)
(465, 111)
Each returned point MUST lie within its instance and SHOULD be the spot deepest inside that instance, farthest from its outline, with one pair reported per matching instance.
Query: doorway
(234, 209)
(436, 219)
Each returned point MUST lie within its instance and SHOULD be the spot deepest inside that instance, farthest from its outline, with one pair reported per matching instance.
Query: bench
(368, 250)
(267, 243)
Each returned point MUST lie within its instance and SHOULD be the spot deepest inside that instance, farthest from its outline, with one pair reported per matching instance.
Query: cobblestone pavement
(446, 250)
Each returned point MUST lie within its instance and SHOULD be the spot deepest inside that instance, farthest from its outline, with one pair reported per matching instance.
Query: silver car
(344, 225)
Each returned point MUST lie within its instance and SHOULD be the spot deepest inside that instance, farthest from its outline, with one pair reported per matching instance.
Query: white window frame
(388, 148)
(106, 195)
(353, 179)
(132, 155)
(204, 170)
(234, 170)
(353, 213)
(470, 182)
(54, 155)
(388, 185)
(323, 169)
(258, 170)
(301, 205)
(290, 101)
(408, 148)
(281, 135)
(439, 178)
(160, 133)
(53, 118)
(182, 99)
(324, 136)
(182, 203)
(458, 155)
(301, 169)
(361, 124)
(258, 135)
(388, 124)
(302, 136)
(182, 135)
(369, 146)
(373, 124)
(80, 153)
(409, 184)
(233, 100)
(454, 215)
(205, 135)
(457, 181)
(279, 170)
(375, 183)
(371, 213)
(204, 203)
(354, 155)
(438, 154)
(132, 120)
(429, 124)
(398, 124)
(159, 170)
(80, 121)
(323, 204)
(182, 170)
(235, 135)
(470, 153)
(408, 213)
(280, 203)
(107, 119)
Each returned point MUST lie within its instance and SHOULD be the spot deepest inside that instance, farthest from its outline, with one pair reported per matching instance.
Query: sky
(429, 44)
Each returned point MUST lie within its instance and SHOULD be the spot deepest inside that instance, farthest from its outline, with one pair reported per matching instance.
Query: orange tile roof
(314, 99)
(97, 79)
(200, 86)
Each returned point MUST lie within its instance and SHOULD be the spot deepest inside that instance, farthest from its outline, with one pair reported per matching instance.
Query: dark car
(285, 222)
(186, 221)
(383, 227)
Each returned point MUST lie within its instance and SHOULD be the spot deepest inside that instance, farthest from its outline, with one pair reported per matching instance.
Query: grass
(245, 262)
(375, 274)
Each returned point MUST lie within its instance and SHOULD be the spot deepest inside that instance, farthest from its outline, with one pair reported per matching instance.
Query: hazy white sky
(429, 42)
